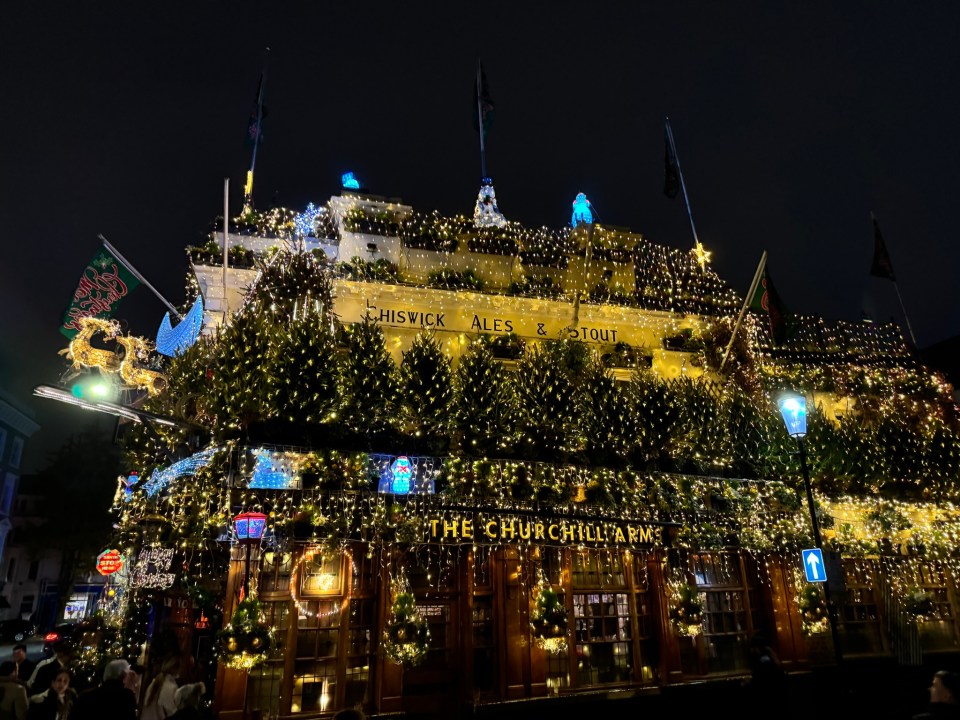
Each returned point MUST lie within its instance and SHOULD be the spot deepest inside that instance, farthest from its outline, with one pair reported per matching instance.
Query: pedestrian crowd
(44, 690)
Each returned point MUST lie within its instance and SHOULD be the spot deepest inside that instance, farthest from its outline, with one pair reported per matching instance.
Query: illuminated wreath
(917, 603)
(246, 641)
(548, 621)
(686, 610)
(813, 610)
(406, 635)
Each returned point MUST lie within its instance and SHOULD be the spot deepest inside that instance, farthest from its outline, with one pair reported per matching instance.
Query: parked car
(16, 630)
(79, 634)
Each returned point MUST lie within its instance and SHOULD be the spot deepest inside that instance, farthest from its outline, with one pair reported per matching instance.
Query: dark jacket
(940, 711)
(108, 700)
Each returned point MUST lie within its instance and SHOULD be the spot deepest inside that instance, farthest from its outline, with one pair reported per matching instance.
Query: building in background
(16, 427)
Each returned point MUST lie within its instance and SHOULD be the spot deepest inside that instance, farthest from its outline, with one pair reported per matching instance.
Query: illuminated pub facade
(543, 579)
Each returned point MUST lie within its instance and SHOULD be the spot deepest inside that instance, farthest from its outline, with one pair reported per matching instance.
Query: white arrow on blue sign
(813, 565)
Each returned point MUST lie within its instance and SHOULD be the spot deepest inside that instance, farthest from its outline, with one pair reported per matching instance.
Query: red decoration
(109, 562)
(250, 527)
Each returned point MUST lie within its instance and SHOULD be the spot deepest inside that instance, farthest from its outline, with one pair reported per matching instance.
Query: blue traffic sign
(813, 565)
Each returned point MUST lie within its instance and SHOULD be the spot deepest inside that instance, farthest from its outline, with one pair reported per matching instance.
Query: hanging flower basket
(548, 621)
(246, 641)
(814, 618)
(407, 635)
(686, 610)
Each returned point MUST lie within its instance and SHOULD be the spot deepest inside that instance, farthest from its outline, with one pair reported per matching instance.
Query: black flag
(882, 267)
(671, 177)
(482, 103)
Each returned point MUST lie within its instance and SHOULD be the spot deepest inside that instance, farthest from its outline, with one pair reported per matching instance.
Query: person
(944, 697)
(132, 680)
(13, 693)
(110, 699)
(46, 670)
(24, 664)
(766, 672)
(160, 703)
(55, 702)
(188, 699)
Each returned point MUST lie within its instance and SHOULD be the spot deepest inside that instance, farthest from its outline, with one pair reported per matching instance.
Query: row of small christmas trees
(284, 371)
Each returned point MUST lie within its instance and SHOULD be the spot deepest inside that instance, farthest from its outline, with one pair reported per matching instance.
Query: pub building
(455, 576)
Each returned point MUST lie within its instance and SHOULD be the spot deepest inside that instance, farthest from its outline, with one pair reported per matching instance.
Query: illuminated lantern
(250, 527)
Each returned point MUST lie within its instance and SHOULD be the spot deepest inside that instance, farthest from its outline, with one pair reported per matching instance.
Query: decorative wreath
(814, 618)
(407, 635)
(246, 641)
(548, 621)
(686, 610)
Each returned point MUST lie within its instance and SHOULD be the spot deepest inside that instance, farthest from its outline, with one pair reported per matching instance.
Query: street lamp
(793, 409)
(249, 527)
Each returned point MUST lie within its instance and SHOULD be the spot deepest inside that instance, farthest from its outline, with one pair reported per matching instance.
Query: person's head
(115, 670)
(189, 696)
(7, 668)
(132, 679)
(19, 653)
(60, 682)
(63, 650)
(353, 713)
(170, 666)
(945, 687)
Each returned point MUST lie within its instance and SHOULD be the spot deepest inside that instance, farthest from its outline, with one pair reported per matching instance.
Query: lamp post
(793, 409)
(249, 527)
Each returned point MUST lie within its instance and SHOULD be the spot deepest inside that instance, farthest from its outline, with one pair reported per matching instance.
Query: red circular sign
(109, 561)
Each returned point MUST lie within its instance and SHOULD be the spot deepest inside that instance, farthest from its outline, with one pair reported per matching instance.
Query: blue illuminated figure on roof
(349, 181)
(173, 341)
(582, 211)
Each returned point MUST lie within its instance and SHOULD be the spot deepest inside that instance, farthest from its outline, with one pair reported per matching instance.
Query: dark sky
(792, 122)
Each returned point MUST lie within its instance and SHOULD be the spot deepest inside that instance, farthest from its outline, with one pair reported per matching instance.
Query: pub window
(275, 572)
(601, 618)
(645, 627)
(938, 632)
(602, 623)
(862, 633)
(321, 574)
(315, 667)
(726, 621)
(360, 652)
(266, 679)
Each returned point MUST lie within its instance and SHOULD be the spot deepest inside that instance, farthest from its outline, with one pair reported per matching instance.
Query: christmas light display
(172, 341)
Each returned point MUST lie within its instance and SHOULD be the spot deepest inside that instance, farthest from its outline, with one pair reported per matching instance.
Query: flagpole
(743, 310)
(248, 190)
(137, 275)
(683, 185)
(483, 152)
(878, 238)
(226, 226)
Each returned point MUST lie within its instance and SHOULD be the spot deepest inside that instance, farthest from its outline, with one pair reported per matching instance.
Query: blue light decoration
(485, 212)
(404, 475)
(173, 341)
(349, 181)
(160, 479)
(582, 213)
(305, 222)
(793, 409)
(128, 486)
(274, 470)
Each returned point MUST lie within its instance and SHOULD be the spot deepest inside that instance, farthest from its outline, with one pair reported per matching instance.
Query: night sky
(792, 122)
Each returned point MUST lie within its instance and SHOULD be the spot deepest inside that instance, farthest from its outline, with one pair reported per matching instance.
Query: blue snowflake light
(306, 221)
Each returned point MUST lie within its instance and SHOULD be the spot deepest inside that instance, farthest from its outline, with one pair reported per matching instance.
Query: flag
(257, 115)
(766, 300)
(104, 283)
(881, 267)
(482, 103)
(671, 176)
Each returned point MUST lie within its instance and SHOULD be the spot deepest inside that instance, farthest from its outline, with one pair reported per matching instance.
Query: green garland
(686, 610)
(813, 610)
